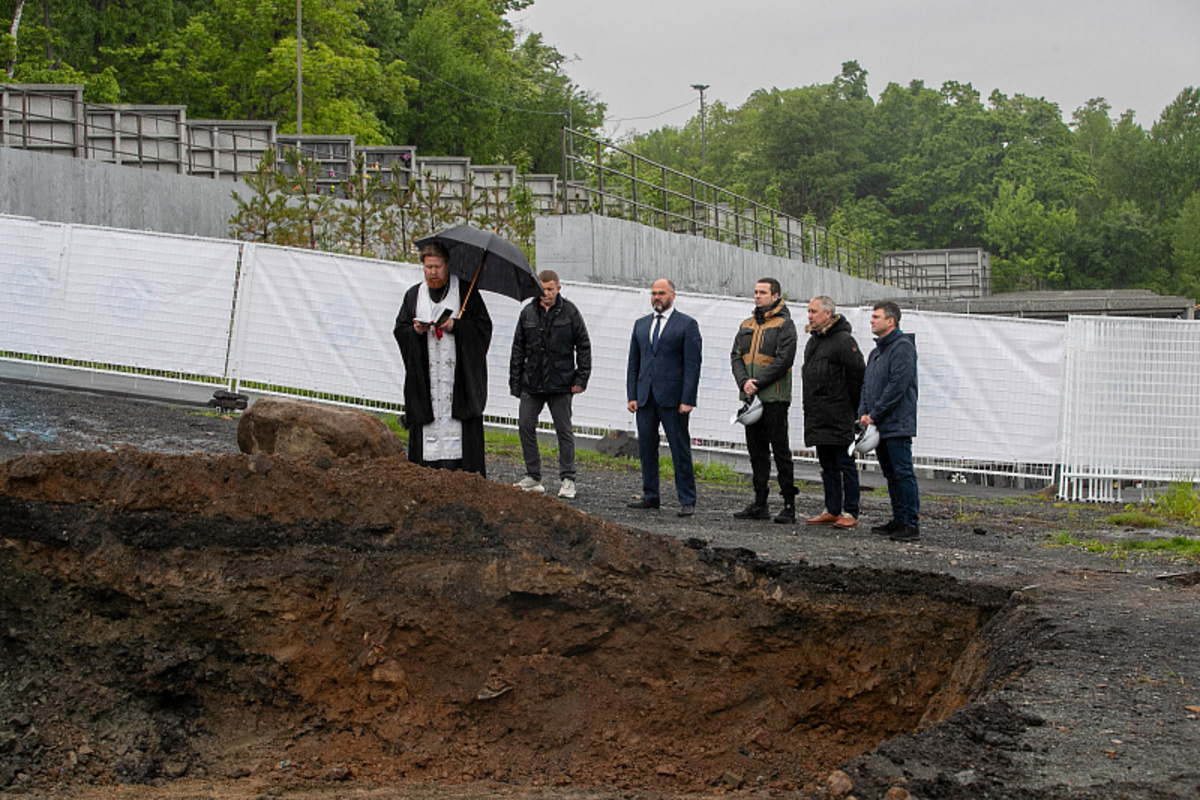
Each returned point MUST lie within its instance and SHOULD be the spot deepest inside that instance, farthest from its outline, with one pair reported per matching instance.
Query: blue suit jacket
(672, 371)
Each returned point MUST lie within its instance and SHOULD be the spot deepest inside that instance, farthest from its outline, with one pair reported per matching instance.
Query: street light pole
(700, 87)
(299, 71)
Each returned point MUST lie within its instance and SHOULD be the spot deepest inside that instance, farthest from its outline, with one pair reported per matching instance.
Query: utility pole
(700, 87)
(300, 70)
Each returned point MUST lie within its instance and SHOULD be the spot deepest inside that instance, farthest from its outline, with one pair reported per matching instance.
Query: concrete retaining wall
(586, 247)
(57, 188)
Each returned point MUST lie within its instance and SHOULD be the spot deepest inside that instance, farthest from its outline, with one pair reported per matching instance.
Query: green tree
(1038, 150)
(866, 221)
(459, 51)
(262, 216)
(943, 183)
(1185, 248)
(1118, 154)
(1122, 248)
(237, 60)
(1175, 138)
(544, 99)
(1026, 239)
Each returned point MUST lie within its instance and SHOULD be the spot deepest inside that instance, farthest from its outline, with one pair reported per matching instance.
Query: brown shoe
(824, 518)
(846, 521)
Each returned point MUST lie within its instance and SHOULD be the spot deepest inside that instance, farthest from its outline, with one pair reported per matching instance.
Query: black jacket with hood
(833, 377)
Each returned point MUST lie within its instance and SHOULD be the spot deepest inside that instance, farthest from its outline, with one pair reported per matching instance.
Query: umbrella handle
(471, 288)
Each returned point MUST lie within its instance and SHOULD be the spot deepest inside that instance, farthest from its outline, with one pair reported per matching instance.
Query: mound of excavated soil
(370, 623)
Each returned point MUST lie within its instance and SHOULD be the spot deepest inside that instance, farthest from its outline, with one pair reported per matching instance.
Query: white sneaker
(530, 485)
(567, 489)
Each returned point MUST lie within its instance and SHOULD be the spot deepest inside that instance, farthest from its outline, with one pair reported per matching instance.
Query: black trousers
(770, 435)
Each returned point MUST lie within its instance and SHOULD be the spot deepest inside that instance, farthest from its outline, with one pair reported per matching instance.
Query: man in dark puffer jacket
(762, 356)
(551, 362)
(833, 377)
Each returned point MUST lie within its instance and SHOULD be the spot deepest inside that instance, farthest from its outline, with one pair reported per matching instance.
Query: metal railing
(602, 178)
(49, 118)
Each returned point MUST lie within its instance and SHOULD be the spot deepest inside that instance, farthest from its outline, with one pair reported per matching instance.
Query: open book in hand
(442, 317)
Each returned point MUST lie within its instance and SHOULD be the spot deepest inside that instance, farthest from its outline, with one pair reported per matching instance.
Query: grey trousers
(527, 422)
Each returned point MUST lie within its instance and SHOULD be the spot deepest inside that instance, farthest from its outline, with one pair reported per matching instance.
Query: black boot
(756, 510)
(788, 515)
(906, 533)
(888, 529)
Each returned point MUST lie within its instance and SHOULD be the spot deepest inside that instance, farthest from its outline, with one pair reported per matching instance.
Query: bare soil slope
(389, 622)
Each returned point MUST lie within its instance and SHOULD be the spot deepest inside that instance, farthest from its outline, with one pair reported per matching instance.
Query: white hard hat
(749, 413)
(866, 440)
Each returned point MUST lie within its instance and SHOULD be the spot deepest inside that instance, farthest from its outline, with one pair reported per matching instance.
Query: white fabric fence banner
(991, 388)
(117, 297)
(320, 322)
(33, 278)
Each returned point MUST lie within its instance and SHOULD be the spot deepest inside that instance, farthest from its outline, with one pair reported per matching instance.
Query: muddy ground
(180, 621)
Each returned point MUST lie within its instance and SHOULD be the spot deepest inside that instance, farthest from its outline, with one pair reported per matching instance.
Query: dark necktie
(654, 335)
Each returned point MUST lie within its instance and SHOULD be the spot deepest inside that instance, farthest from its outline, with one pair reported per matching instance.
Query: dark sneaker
(753, 511)
(642, 504)
(787, 516)
(888, 529)
(906, 533)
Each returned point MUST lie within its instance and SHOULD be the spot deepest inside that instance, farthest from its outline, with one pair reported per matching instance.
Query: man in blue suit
(661, 382)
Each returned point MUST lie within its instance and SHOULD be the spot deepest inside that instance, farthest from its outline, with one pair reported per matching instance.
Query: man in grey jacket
(889, 402)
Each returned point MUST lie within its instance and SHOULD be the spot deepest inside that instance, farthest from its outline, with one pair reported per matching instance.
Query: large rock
(618, 444)
(297, 429)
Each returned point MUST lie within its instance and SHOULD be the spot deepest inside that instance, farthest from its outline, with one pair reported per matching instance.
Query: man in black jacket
(550, 364)
(833, 378)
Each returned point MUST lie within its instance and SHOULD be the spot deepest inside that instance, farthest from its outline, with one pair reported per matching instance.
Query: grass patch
(508, 444)
(594, 460)
(707, 471)
(1065, 539)
(393, 422)
(1175, 547)
(505, 443)
(1134, 519)
(212, 413)
(1181, 501)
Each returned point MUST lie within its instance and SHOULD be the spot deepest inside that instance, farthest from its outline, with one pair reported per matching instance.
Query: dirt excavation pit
(236, 617)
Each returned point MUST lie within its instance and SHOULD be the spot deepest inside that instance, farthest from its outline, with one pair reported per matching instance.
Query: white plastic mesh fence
(1131, 405)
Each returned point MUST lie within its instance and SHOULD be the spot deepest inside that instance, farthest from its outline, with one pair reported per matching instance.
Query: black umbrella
(488, 261)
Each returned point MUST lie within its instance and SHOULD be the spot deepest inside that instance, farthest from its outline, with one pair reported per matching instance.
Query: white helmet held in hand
(866, 440)
(749, 413)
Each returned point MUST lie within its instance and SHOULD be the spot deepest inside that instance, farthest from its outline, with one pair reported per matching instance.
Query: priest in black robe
(445, 366)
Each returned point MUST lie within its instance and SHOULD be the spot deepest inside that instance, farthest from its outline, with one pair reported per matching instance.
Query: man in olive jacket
(551, 362)
(762, 356)
(833, 378)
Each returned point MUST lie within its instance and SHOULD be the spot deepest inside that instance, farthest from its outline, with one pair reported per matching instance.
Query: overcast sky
(642, 57)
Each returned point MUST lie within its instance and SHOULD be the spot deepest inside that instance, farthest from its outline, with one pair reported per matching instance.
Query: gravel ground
(1100, 694)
